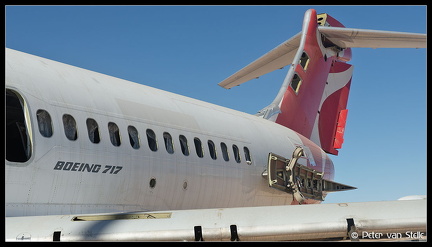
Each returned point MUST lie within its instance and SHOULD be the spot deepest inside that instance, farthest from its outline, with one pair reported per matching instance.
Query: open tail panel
(303, 182)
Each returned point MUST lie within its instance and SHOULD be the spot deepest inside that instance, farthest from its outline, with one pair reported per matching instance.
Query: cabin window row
(71, 133)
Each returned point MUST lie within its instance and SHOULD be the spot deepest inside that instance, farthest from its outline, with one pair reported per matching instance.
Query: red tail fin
(317, 87)
(314, 94)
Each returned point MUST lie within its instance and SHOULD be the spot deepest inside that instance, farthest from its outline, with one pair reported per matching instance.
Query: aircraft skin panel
(66, 176)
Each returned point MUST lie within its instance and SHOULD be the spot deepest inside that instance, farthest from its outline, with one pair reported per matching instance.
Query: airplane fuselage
(97, 144)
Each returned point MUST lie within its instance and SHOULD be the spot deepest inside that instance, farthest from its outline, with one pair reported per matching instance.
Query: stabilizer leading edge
(277, 58)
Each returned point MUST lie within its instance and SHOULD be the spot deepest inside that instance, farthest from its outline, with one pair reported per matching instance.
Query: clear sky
(189, 49)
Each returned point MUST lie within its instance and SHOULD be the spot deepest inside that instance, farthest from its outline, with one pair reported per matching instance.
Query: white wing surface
(352, 37)
(277, 58)
(402, 219)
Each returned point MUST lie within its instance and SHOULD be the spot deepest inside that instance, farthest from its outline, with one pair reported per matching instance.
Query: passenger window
(70, 128)
(93, 130)
(151, 138)
(212, 149)
(224, 149)
(133, 137)
(236, 153)
(114, 133)
(304, 61)
(168, 142)
(184, 145)
(247, 155)
(198, 147)
(296, 83)
(18, 141)
(44, 123)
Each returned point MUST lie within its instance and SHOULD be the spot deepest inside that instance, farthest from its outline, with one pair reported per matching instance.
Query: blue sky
(189, 49)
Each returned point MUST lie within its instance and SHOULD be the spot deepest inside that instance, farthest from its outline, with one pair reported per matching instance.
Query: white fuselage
(64, 176)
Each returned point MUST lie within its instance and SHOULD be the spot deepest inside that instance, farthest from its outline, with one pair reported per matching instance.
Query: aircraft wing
(356, 221)
(284, 53)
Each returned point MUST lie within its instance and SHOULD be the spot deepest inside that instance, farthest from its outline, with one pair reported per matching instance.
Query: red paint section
(329, 113)
(306, 105)
(299, 109)
(333, 22)
(340, 129)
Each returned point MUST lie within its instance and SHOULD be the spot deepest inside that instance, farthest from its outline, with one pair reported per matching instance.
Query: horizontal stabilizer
(284, 53)
(352, 37)
(277, 58)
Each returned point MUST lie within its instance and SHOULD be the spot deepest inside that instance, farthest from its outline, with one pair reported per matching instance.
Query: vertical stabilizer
(315, 91)
(313, 98)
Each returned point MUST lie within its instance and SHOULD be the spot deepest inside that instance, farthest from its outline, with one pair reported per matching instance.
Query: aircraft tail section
(313, 97)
